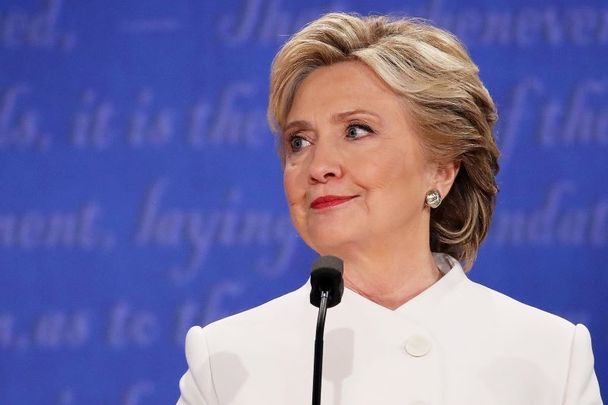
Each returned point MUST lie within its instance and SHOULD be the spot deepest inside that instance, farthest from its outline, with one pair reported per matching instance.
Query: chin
(331, 241)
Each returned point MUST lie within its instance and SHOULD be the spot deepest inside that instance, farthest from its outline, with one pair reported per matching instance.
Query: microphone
(326, 275)
(327, 289)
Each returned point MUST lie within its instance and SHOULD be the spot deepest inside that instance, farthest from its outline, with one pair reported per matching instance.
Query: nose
(325, 163)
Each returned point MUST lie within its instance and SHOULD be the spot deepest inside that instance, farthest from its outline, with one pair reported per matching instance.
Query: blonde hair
(430, 69)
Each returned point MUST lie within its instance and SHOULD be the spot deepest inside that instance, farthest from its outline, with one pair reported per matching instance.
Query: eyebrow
(299, 124)
(343, 115)
(335, 117)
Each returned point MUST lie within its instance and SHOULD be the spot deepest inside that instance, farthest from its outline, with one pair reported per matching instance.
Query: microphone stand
(327, 287)
(318, 361)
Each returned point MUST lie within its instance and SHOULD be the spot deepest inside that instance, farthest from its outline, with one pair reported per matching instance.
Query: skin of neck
(390, 270)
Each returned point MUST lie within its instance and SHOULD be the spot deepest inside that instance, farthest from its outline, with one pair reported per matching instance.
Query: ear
(444, 177)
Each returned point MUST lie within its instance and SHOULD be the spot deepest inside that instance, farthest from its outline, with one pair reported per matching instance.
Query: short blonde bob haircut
(433, 73)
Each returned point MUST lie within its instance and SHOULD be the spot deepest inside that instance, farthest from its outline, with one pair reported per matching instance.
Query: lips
(329, 201)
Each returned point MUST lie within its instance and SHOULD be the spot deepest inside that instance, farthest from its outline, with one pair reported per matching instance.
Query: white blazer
(455, 343)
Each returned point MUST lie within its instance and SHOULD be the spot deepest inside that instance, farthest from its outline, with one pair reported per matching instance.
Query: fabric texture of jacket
(457, 342)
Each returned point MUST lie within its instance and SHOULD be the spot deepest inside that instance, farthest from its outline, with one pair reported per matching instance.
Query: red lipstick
(329, 201)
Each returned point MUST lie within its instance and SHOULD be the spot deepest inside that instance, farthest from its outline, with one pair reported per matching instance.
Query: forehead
(350, 85)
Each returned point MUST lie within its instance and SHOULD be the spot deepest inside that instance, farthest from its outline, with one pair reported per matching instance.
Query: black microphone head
(326, 275)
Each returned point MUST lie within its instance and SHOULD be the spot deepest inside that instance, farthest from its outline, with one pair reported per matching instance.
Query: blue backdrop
(141, 194)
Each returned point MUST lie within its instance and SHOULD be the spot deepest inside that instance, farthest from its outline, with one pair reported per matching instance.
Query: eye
(297, 143)
(356, 131)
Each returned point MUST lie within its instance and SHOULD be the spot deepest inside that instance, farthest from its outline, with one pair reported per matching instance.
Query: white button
(417, 345)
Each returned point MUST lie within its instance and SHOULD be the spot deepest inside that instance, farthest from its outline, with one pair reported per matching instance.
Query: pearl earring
(433, 198)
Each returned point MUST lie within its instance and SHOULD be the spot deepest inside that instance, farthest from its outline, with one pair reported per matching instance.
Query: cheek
(294, 190)
(395, 175)
(382, 171)
(295, 194)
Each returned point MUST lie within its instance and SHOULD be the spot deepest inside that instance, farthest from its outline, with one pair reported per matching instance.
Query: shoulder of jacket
(279, 309)
(514, 313)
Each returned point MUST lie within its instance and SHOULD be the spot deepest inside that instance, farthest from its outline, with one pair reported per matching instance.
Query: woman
(386, 140)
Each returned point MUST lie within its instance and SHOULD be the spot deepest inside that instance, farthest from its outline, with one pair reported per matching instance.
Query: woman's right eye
(297, 143)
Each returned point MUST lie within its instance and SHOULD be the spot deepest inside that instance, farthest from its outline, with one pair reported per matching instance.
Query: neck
(391, 276)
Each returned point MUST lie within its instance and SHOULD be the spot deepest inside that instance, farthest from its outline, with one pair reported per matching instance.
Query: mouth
(327, 201)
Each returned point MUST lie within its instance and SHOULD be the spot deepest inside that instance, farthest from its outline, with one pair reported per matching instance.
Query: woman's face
(355, 174)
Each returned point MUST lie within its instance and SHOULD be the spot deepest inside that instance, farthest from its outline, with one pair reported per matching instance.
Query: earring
(433, 198)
